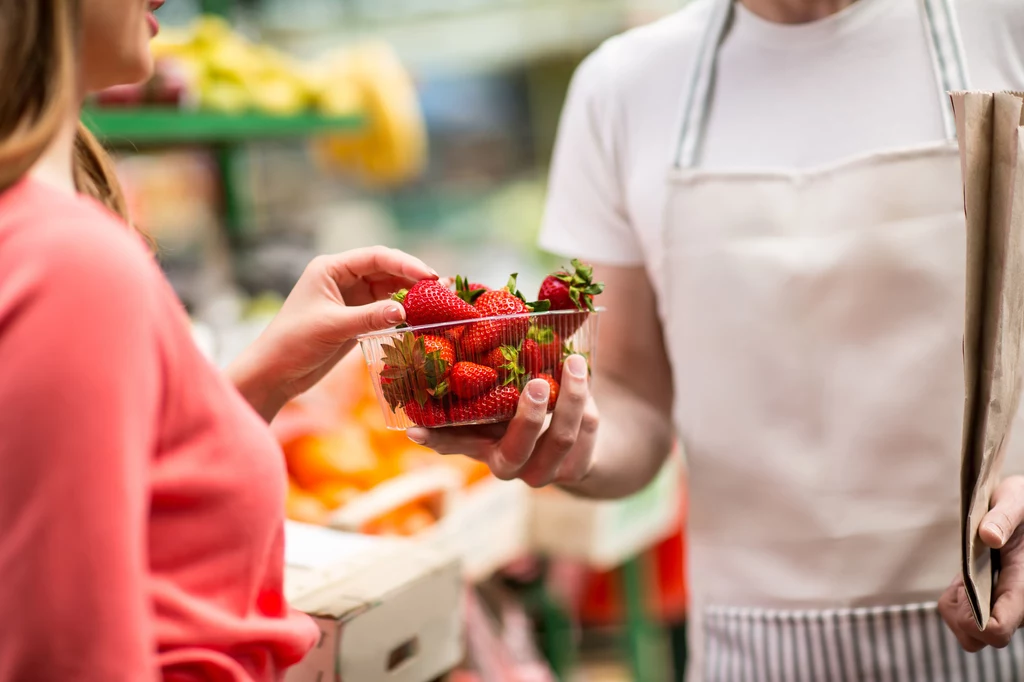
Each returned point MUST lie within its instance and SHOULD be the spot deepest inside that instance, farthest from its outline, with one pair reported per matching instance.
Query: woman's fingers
(561, 436)
(374, 262)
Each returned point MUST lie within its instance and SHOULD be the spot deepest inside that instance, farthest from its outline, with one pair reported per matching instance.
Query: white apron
(814, 322)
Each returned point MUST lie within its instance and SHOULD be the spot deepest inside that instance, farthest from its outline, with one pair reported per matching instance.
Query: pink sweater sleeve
(80, 394)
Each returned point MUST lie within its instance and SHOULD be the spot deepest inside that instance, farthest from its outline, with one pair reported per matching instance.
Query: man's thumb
(1006, 515)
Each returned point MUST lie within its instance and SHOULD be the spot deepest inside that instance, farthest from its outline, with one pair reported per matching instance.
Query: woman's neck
(796, 11)
(56, 166)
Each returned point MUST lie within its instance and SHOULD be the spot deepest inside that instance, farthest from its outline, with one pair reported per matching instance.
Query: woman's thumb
(374, 317)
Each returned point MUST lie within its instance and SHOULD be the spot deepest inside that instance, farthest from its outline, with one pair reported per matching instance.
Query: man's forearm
(633, 442)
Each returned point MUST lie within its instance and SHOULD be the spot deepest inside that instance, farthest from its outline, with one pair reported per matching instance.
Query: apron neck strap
(944, 40)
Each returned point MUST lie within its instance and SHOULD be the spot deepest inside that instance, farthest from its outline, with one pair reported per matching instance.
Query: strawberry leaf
(441, 391)
(583, 271)
(463, 291)
(434, 367)
(513, 368)
(395, 394)
(542, 335)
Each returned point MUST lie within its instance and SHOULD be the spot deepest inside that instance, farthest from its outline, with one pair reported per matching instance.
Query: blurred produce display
(209, 67)
(338, 448)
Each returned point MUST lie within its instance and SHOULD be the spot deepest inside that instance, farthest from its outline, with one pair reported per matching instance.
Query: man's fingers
(1007, 513)
(477, 442)
(577, 465)
(515, 448)
(560, 438)
(1008, 609)
(951, 608)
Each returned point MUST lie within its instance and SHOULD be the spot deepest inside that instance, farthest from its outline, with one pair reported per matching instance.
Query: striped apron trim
(880, 644)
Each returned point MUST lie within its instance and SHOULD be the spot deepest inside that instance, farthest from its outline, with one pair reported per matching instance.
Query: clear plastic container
(472, 372)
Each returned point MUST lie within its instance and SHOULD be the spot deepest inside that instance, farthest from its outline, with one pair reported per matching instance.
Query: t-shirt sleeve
(585, 215)
(80, 387)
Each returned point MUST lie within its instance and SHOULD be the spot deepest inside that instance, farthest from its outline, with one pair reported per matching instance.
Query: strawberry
(430, 414)
(504, 359)
(415, 368)
(482, 337)
(428, 302)
(469, 292)
(469, 380)
(571, 291)
(554, 384)
(541, 351)
(498, 404)
(533, 360)
(442, 346)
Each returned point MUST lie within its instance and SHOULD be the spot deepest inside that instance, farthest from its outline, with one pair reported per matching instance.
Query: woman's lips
(154, 25)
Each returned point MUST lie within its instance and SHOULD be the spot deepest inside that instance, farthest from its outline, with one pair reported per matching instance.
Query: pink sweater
(141, 499)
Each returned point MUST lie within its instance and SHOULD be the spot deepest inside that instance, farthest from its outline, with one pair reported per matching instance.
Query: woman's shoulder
(62, 250)
(45, 229)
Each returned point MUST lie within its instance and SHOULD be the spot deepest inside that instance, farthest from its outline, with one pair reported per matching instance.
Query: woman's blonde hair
(38, 55)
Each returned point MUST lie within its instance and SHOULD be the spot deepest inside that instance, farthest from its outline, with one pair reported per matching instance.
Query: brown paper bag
(991, 137)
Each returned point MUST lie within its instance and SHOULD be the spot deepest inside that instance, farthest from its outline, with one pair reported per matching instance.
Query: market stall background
(279, 129)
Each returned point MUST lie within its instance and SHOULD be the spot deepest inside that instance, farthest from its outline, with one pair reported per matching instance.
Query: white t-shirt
(785, 97)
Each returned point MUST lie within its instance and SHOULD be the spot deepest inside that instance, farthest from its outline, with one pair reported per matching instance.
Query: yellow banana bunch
(232, 75)
(392, 147)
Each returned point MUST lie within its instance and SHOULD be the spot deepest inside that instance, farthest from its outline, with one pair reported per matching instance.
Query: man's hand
(526, 447)
(1002, 529)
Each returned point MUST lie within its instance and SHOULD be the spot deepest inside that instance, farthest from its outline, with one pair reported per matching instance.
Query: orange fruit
(345, 455)
(416, 521)
(303, 507)
(335, 494)
(406, 520)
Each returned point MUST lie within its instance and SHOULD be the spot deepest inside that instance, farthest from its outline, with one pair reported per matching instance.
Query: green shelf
(154, 126)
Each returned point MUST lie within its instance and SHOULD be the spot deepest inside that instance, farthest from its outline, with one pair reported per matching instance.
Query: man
(771, 192)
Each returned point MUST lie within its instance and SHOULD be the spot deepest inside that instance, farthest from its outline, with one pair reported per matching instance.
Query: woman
(142, 495)
(771, 190)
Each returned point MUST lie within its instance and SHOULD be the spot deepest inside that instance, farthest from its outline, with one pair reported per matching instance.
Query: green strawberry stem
(582, 287)
(463, 291)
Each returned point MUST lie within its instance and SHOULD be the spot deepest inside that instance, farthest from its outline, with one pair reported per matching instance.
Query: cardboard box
(388, 610)
(606, 534)
(486, 525)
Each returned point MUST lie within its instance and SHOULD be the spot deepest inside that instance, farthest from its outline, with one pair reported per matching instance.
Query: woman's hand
(1002, 529)
(561, 453)
(336, 299)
